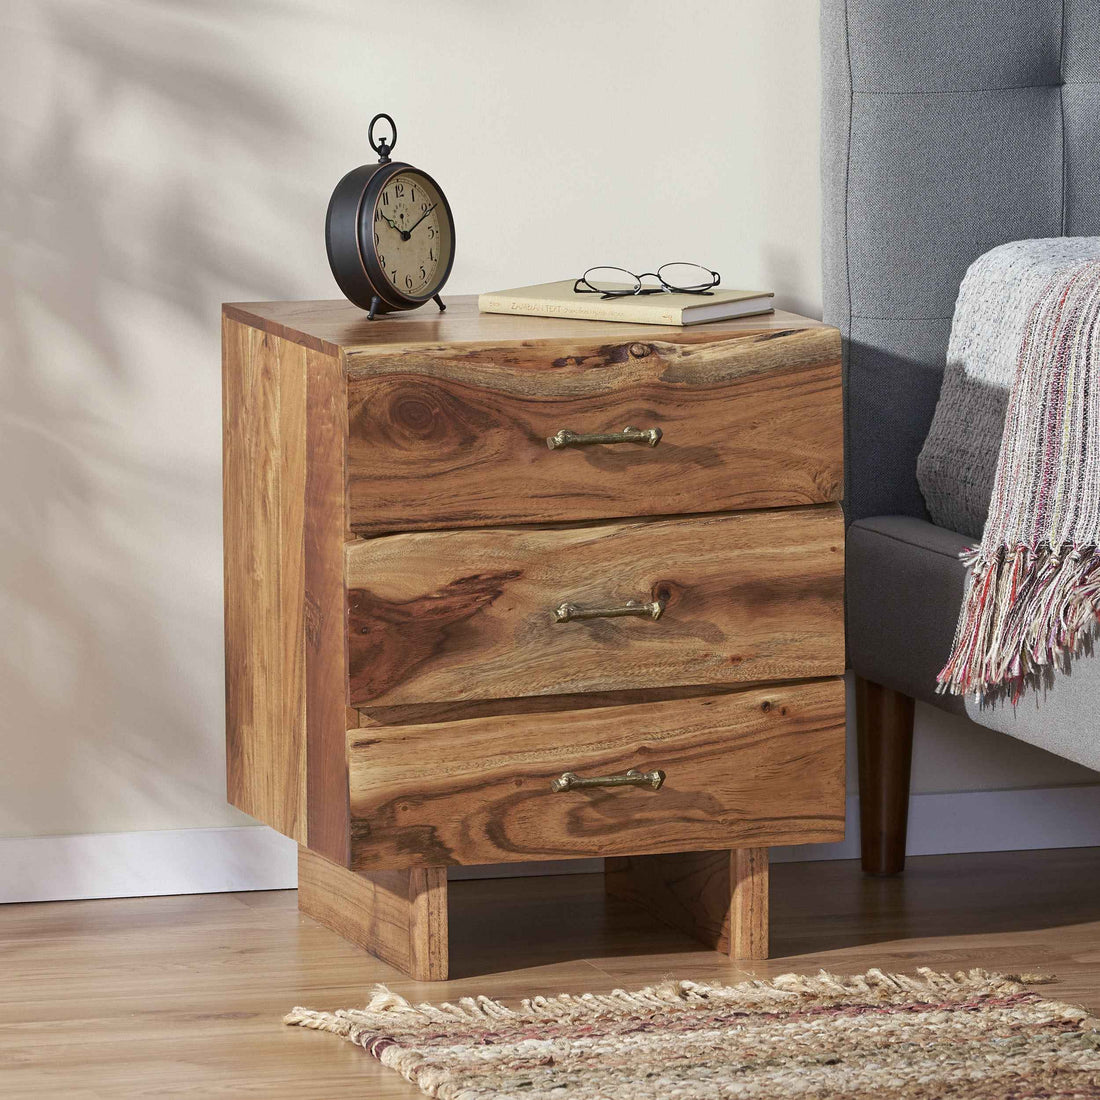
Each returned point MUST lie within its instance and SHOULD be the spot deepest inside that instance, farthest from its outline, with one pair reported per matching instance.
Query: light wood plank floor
(182, 996)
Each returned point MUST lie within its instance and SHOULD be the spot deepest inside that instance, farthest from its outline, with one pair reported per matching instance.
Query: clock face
(412, 234)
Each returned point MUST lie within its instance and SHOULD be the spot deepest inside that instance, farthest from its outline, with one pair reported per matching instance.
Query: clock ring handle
(382, 147)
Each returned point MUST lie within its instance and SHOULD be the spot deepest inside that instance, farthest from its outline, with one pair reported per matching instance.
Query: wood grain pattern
(324, 535)
(335, 325)
(749, 908)
(285, 423)
(691, 891)
(264, 422)
(415, 714)
(473, 697)
(464, 615)
(754, 768)
(398, 916)
(454, 437)
(449, 413)
(719, 898)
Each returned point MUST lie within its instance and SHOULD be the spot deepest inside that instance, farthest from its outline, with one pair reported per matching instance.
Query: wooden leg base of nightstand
(398, 916)
(720, 898)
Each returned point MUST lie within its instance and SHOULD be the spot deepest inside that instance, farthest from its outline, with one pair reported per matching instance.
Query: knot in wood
(414, 414)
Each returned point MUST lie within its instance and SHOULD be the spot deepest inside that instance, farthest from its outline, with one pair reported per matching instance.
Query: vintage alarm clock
(389, 232)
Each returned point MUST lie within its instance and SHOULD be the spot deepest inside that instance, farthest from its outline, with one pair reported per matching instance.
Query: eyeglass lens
(612, 280)
(685, 277)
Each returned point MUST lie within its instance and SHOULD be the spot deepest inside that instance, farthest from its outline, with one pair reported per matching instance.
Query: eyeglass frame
(639, 289)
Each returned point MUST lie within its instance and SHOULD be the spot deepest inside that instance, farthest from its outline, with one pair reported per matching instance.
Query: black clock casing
(349, 233)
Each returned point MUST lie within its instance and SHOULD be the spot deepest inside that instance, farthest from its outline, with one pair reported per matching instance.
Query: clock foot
(375, 302)
(439, 302)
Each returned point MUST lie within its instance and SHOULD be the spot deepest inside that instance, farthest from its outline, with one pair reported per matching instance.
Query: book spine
(581, 311)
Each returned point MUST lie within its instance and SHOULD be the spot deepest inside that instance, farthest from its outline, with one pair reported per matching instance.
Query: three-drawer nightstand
(507, 588)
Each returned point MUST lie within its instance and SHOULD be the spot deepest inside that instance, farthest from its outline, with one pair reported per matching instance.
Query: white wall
(162, 157)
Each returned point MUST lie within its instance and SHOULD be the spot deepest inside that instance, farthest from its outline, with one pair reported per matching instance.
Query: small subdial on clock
(410, 234)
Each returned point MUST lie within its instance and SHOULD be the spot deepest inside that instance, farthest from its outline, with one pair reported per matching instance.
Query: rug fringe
(389, 1010)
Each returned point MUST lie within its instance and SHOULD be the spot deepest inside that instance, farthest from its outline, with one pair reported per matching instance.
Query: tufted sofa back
(949, 126)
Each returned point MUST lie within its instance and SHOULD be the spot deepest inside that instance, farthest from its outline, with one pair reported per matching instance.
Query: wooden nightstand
(509, 588)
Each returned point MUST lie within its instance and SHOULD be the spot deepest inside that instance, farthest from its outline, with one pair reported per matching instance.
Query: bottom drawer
(751, 768)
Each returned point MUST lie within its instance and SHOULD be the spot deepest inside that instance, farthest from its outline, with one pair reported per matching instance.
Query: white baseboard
(206, 861)
(144, 864)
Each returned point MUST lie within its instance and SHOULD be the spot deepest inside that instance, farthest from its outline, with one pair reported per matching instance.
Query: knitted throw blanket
(1033, 600)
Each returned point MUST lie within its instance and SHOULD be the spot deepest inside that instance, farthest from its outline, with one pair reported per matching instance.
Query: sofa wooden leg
(884, 726)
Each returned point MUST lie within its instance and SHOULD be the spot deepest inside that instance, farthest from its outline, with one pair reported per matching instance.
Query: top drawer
(439, 437)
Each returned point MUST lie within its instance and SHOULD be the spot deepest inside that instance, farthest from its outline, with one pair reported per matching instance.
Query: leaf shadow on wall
(110, 517)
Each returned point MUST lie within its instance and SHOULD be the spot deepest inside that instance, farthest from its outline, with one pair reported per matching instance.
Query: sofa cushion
(905, 584)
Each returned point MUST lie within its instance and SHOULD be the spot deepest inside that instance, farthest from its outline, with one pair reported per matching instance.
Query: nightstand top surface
(329, 326)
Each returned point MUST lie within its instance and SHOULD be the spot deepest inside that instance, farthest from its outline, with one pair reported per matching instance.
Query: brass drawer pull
(569, 438)
(567, 612)
(570, 781)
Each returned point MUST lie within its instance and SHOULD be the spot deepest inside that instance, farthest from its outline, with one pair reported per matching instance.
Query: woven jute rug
(877, 1035)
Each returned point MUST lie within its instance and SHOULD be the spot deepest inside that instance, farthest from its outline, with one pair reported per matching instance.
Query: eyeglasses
(672, 278)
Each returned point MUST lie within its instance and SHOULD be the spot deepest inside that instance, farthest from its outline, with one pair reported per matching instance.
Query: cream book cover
(559, 300)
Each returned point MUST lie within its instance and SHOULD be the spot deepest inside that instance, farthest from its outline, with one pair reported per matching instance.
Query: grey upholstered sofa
(949, 126)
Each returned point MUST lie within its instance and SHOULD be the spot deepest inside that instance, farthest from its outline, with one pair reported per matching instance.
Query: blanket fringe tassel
(1027, 613)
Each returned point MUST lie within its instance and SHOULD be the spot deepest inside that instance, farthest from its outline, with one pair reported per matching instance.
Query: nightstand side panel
(284, 438)
(263, 472)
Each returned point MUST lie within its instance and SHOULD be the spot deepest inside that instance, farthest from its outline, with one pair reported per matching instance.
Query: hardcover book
(559, 300)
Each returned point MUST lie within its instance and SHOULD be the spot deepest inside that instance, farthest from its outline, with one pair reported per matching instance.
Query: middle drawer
(508, 612)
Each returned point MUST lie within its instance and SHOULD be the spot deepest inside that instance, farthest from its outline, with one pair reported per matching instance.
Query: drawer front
(497, 614)
(439, 438)
(748, 769)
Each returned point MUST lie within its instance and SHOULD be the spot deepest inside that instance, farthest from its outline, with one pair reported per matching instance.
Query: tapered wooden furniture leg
(720, 898)
(884, 726)
(399, 916)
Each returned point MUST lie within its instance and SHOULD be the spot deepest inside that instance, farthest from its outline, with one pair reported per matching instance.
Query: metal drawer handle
(567, 612)
(569, 438)
(570, 781)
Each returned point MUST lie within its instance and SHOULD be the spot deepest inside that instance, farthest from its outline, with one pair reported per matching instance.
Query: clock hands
(393, 225)
(421, 218)
(406, 233)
